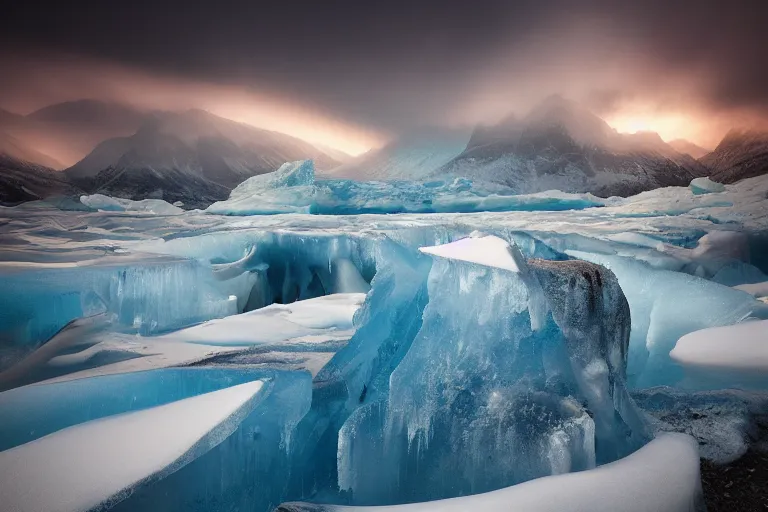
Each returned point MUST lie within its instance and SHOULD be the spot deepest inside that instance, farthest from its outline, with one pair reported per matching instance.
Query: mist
(353, 78)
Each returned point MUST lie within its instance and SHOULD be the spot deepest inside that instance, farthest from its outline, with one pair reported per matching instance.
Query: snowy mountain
(561, 145)
(689, 148)
(22, 181)
(411, 156)
(741, 154)
(68, 131)
(192, 156)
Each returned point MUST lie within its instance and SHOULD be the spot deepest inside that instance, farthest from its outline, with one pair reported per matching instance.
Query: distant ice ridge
(116, 204)
(294, 189)
(663, 475)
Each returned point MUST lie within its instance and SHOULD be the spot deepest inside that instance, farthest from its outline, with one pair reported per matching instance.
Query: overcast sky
(354, 73)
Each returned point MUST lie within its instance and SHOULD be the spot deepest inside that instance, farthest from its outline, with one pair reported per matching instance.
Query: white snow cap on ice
(81, 467)
(487, 250)
(742, 346)
(663, 475)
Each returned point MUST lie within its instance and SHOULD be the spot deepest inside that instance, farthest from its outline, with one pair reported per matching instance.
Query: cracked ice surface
(407, 351)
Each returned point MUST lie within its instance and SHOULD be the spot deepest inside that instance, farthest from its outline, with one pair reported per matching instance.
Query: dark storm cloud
(392, 65)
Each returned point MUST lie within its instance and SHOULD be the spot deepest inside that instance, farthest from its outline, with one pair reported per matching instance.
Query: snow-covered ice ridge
(403, 358)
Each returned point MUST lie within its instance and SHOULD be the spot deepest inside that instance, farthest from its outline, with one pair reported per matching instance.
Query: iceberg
(705, 186)
(76, 469)
(516, 372)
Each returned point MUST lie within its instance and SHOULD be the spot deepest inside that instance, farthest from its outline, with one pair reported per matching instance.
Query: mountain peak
(578, 121)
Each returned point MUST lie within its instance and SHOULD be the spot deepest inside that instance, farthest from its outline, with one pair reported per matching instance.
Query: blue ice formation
(423, 388)
(294, 189)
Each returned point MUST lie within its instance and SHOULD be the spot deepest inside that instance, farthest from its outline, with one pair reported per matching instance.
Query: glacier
(415, 342)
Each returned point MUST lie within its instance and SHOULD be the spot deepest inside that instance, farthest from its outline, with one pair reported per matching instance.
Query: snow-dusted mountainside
(740, 155)
(12, 147)
(412, 156)
(22, 181)
(561, 145)
(687, 147)
(68, 131)
(188, 156)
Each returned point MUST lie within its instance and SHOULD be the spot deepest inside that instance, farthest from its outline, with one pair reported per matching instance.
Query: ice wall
(150, 296)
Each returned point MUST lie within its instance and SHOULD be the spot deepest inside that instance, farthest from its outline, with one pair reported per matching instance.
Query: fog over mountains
(197, 158)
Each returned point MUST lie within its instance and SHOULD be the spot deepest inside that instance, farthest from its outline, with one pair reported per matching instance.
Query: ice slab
(311, 321)
(741, 347)
(34, 411)
(98, 463)
(663, 475)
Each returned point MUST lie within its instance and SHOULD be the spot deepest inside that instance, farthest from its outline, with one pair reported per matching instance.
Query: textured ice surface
(724, 422)
(101, 461)
(705, 186)
(663, 475)
(293, 189)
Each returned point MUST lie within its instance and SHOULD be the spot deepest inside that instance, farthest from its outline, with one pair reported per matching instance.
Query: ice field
(335, 345)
